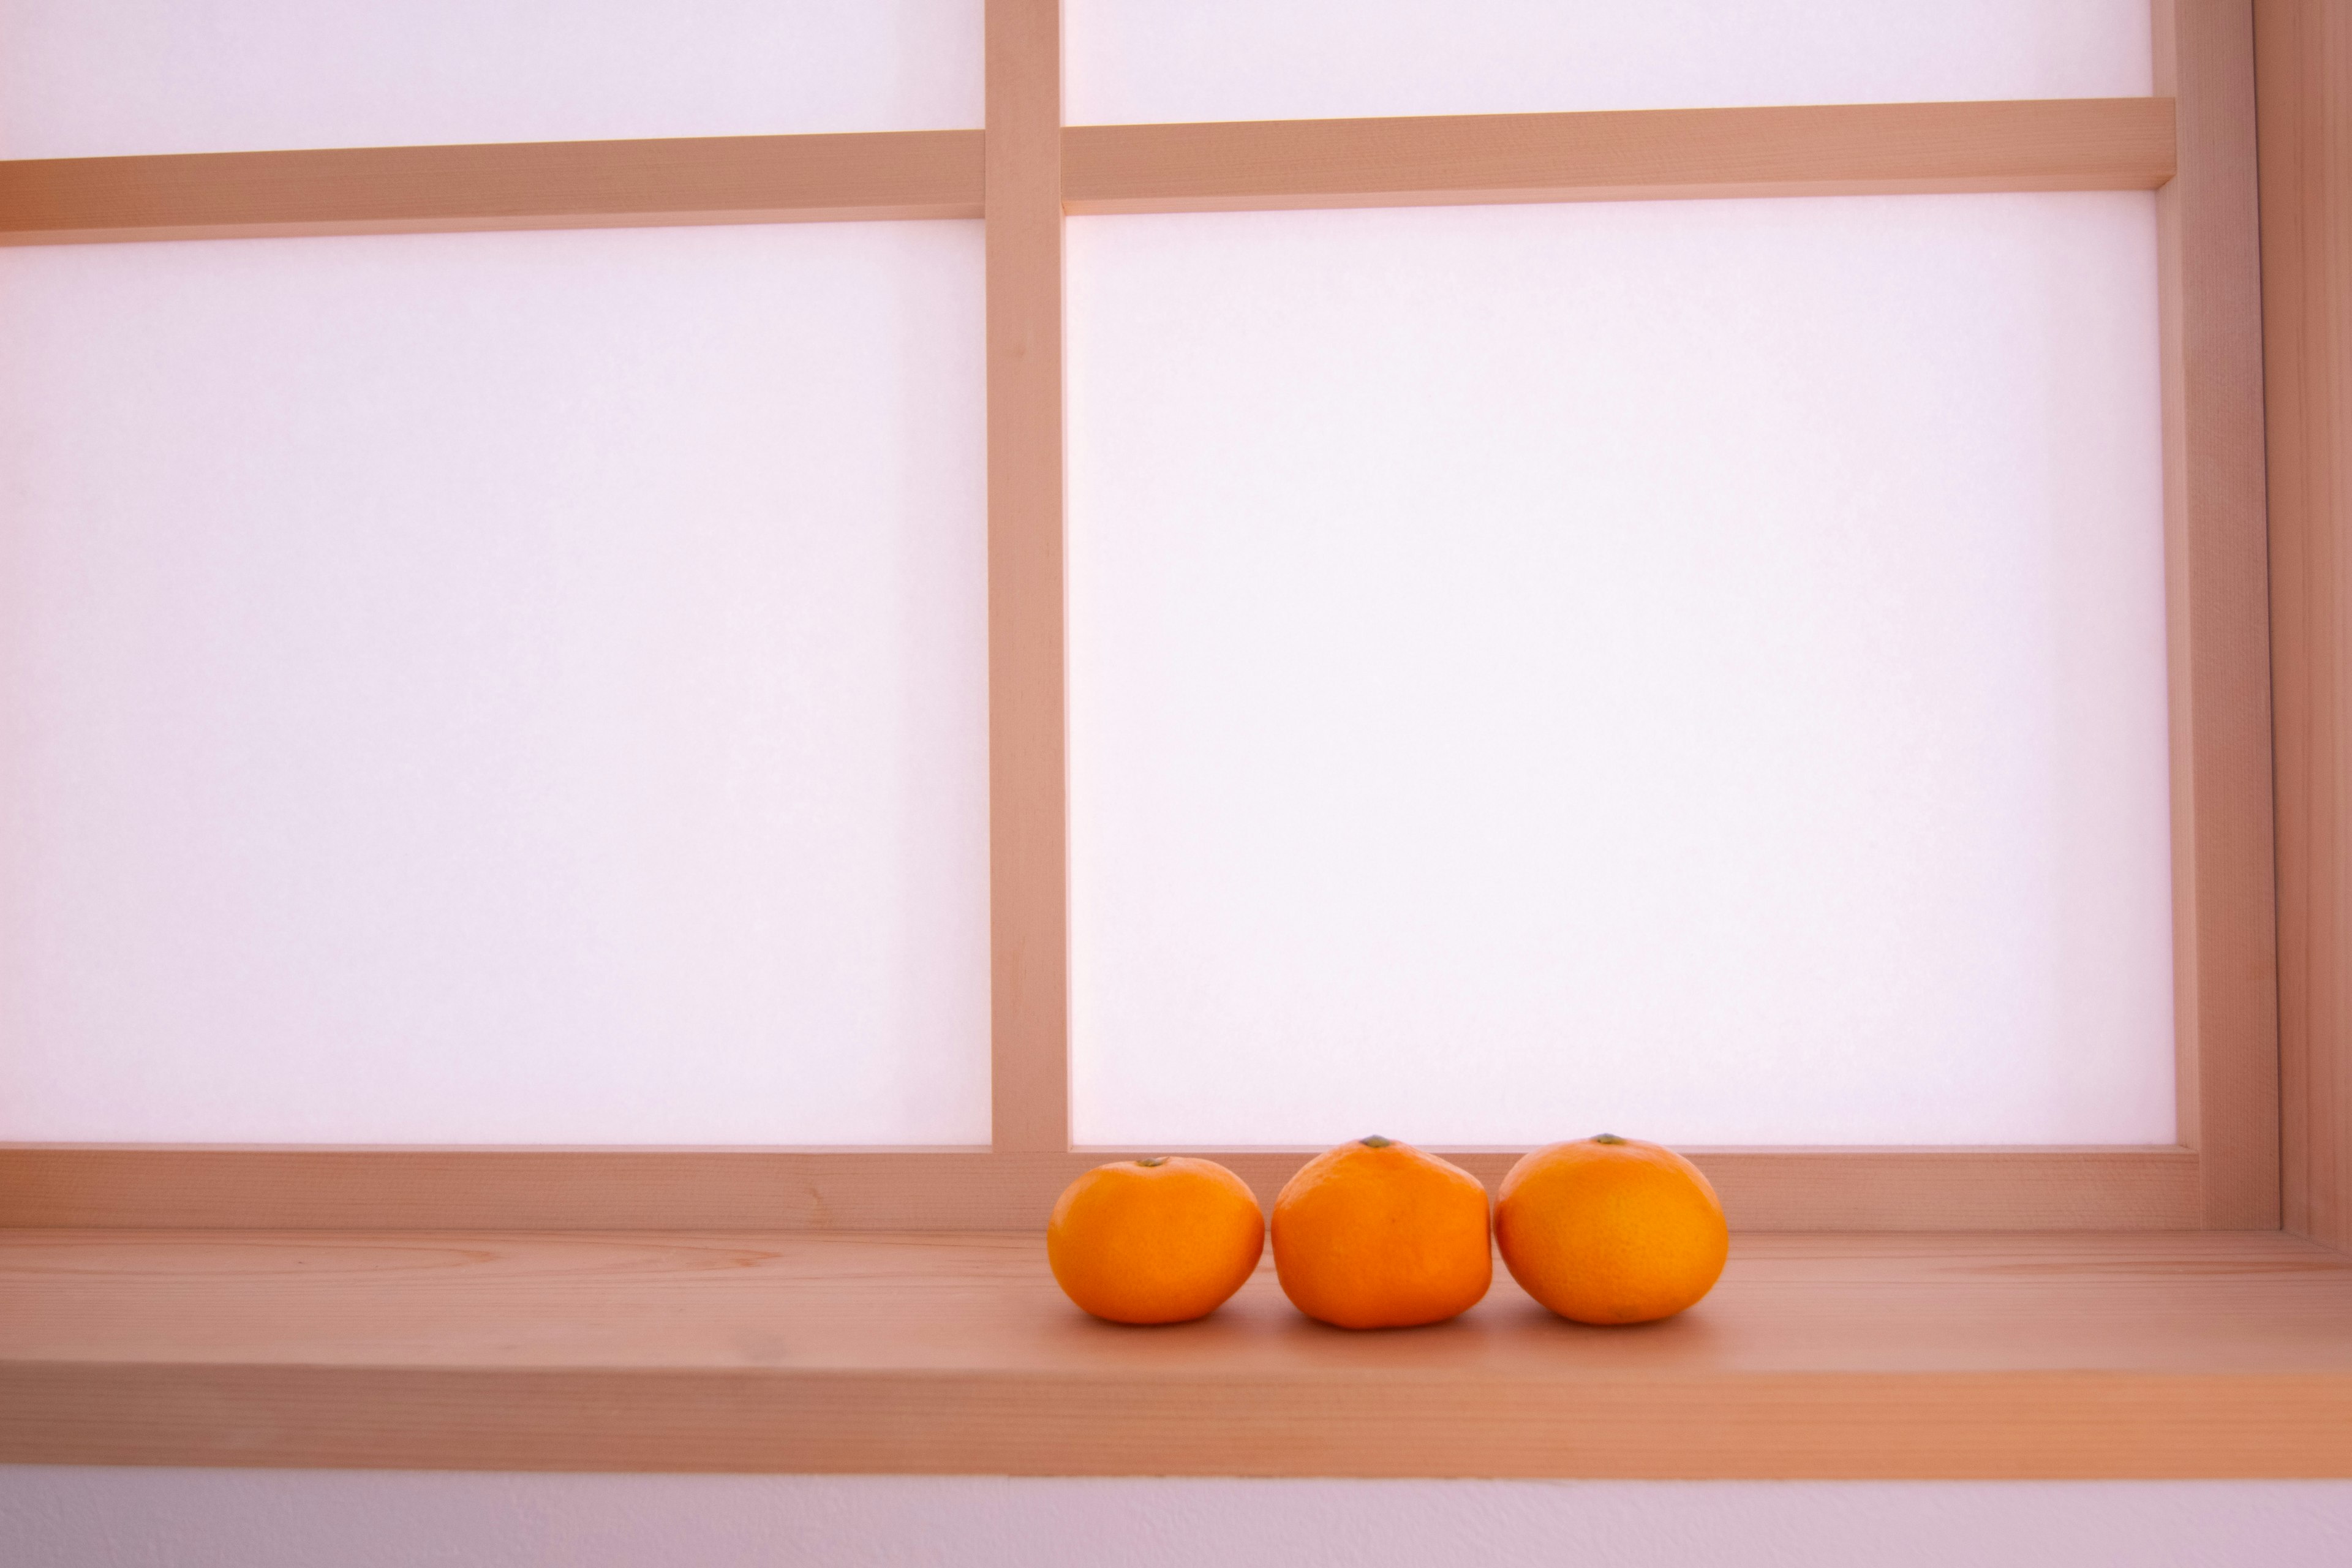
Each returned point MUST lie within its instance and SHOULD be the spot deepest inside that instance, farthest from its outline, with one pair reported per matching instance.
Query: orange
(1377, 1235)
(1154, 1241)
(1609, 1230)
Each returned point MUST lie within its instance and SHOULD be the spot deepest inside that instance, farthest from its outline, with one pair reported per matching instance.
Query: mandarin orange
(1154, 1241)
(1610, 1230)
(1377, 1235)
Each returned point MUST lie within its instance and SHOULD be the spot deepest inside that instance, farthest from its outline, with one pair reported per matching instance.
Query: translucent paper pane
(1692, 669)
(79, 79)
(495, 688)
(1135, 60)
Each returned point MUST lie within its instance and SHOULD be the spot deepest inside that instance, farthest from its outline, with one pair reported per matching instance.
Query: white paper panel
(1694, 668)
(1134, 60)
(495, 688)
(98, 78)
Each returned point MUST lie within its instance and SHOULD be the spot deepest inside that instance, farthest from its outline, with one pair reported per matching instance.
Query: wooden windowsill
(2038, 1355)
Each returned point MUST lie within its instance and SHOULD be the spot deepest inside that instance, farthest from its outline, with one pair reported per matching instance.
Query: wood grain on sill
(2202, 1354)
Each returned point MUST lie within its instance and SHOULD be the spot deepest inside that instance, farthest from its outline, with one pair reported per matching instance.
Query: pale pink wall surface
(64, 1518)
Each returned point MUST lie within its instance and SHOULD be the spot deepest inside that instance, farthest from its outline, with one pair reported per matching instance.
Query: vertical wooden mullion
(2304, 78)
(2225, 911)
(1028, 881)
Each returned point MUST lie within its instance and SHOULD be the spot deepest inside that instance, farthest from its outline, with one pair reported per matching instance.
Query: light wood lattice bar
(2225, 956)
(977, 1189)
(2071, 144)
(528, 185)
(1861, 149)
(1028, 789)
(2304, 69)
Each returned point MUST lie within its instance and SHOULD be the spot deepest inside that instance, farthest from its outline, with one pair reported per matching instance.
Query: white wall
(64, 1518)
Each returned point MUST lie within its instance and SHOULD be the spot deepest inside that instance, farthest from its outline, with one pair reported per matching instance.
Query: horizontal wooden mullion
(1806, 150)
(498, 185)
(2047, 144)
(161, 1186)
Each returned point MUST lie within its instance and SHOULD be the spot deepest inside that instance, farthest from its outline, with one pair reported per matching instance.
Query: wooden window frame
(2192, 142)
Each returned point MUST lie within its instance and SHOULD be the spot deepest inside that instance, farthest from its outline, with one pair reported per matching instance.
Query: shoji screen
(1692, 667)
(1135, 61)
(82, 80)
(1698, 667)
(492, 688)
